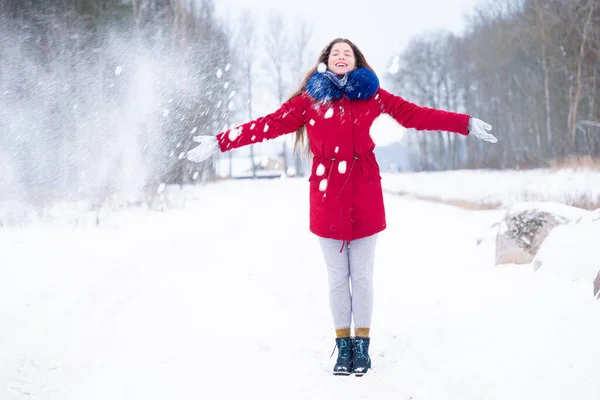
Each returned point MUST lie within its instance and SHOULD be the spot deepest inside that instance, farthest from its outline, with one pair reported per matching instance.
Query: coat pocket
(371, 173)
(319, 171)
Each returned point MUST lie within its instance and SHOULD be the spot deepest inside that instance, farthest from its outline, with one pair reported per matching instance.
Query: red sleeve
(411, 115)
(287, 119)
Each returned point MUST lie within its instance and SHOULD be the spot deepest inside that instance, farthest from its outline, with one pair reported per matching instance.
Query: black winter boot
(343, 365)
(361, 362)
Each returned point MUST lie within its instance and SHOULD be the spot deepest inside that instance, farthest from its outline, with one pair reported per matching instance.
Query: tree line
(531, 68)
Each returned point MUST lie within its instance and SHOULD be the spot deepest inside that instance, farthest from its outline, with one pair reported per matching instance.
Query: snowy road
(227, 298)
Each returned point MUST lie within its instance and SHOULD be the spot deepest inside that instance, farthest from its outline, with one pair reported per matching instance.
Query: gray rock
(525, 227)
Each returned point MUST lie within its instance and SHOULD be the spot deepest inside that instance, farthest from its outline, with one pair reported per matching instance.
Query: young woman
(335, 106)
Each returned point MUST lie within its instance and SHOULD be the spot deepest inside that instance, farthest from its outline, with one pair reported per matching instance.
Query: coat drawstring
(330, 169)
(348, 175)
(342, 248)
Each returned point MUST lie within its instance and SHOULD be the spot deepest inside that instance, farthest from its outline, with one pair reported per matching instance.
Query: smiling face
(341, 59)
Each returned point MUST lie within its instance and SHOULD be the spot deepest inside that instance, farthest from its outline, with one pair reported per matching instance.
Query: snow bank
(498, 188)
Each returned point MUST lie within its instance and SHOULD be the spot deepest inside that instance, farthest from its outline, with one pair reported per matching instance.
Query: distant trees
(277, 61)
(302, 32)
(271, 55)
(531, 68)
(286, 56)
(101, 98)
(246, 48)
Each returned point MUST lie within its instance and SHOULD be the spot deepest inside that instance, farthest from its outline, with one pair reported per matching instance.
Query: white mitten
(479, 129)
(208, 146)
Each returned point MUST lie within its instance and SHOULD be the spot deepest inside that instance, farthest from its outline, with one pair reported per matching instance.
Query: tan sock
(362, 332)
(343, 332)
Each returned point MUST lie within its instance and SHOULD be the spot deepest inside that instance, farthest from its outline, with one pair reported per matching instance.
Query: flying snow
(320, 170)
(323, 185)
(233, 134)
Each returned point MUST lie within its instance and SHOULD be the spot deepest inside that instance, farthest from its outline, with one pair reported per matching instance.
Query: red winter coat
(346, 200)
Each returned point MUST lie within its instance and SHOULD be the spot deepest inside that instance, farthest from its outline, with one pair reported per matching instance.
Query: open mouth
(341, 64)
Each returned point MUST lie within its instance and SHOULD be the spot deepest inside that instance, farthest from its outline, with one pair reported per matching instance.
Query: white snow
(329, 113)
(225, 296)
(385, 130)
(312, 122)
(560, 210)
(342, 167)
(320, 170)
(323, 185)
(578, 258)
(395, 65)
(498, 187)
(322, 67)
(233, 134)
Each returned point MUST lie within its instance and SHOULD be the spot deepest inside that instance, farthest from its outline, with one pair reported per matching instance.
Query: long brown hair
(361, 61)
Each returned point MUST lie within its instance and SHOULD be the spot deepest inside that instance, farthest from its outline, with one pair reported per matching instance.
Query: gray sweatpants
(352, 268)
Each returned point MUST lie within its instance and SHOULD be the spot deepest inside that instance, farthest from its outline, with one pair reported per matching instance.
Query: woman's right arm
(287, 119)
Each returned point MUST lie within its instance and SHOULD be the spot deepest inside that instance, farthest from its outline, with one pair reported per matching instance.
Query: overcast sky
(379, 28)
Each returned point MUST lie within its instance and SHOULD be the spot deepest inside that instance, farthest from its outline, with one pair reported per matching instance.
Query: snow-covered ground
(499, 188)
(225, 296)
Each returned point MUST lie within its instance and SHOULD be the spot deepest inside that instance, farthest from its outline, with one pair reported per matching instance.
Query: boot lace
(360, 352)
(343, 350)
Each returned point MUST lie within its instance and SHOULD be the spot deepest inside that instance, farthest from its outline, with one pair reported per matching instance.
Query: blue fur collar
(360, 83)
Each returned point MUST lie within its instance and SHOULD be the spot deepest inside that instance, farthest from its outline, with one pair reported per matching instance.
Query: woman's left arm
(411, 115)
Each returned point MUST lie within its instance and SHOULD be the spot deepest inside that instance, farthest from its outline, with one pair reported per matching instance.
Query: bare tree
(247, 42)
(232, 66)
(588, 7)
(543, 27)
(276, 46)
(299, 38)
(154, 18)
